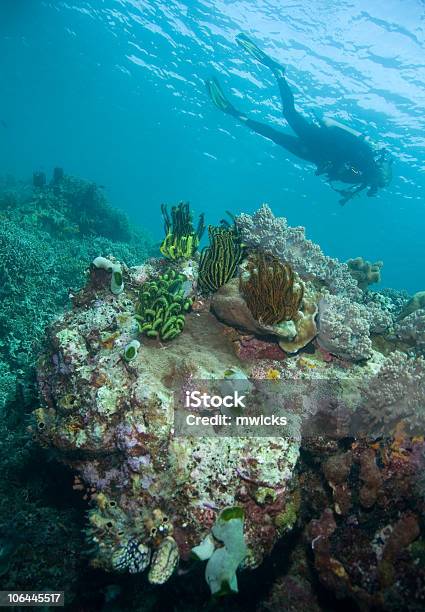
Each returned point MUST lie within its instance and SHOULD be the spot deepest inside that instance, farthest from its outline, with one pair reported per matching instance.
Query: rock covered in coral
(154, 495)
(251, 348)
(365, 272)
(229, 306)
(411, 329)
(293, 590)
(344, 328)
(346, 321)
(372, 556)
(396, 392)
(417, 302)
(264, 230)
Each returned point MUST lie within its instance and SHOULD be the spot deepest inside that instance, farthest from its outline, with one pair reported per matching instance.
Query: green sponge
(223, 562)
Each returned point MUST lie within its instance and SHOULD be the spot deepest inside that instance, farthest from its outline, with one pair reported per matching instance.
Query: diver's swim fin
(251, 48)
(217, 96)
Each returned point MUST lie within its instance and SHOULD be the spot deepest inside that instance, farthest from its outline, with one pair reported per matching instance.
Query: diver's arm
(348, 194)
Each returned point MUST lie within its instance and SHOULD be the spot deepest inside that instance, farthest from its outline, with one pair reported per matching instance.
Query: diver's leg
(218, 98)
(287, 141)
(298, 123)
(301, 126)
(248, 45)
(291, 143)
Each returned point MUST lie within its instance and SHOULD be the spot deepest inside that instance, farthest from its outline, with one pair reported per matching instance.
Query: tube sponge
(223, 562)
(131, 350)
(117, 283)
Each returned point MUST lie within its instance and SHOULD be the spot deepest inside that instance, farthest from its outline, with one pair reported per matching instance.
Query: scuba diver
(340, 153)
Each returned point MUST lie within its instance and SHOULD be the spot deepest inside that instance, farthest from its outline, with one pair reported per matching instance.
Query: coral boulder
(110, 414)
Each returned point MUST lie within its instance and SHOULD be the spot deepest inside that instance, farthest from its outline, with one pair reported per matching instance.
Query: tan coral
(417, 302)
(229, 306)
(365, 272)
(305, 324)
(270, 289)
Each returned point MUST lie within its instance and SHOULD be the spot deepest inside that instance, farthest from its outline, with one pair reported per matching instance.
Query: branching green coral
(269, 290)
(220, 259)
(181, 240)
(162, 306)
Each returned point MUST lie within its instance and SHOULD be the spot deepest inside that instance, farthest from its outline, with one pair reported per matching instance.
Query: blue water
(113, 91)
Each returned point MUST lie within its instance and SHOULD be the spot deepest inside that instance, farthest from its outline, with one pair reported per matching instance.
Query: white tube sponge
(117, 283)
(131, 350)
(220, 572)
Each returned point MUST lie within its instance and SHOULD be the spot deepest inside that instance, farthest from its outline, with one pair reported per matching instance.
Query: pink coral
(264, 230)
(250, 348)
(344, 328)
(395, 393)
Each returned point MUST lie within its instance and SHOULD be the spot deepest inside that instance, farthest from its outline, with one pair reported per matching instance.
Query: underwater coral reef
(260, 306)
(326, 511)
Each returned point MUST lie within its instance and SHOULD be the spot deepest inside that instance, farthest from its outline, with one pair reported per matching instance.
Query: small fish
(3, 124)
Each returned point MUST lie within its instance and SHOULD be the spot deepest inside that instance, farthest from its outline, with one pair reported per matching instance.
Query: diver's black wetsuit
(302, 145)
(339, 153)
(327, 147)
